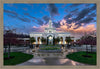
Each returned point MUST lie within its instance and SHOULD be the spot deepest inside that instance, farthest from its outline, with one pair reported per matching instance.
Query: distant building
(16, 39)
(23, 39)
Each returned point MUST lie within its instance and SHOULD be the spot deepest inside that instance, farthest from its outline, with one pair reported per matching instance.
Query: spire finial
(50, 23)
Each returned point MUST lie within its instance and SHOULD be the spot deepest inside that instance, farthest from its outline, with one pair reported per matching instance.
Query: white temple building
(50, 33)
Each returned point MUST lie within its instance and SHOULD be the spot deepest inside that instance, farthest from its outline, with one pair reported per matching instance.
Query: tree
(10, 39)
(91, 41)
(68, 40)
(43, 40)
(88, 40)
(57, 39)
(84, 41)
(32, 39)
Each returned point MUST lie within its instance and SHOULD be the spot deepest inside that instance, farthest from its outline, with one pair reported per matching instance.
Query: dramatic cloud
(15, 15)
(39, 21)
(46, 19)
(24, 19)
(82, 14)
(27, 14)
(56, 24)
(66, 10)
(93, 7)
(73, 23)
(86, 20)
(68, 16)
(92, 15)
(64, 27)
(79, 17)
(75, 5)
(87, 28)
(53, 9)
(11, 13)
(75, 12)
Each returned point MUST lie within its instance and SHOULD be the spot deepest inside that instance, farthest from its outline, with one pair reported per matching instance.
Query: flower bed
(50, 48)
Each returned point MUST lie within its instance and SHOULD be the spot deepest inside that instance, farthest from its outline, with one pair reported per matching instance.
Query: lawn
(18, 58)
(78, 56)
(50, 47)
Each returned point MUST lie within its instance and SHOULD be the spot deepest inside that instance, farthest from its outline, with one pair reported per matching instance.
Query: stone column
(63, 40)
(74, 40)
(40, 40)
(36, 40)
(60, 40)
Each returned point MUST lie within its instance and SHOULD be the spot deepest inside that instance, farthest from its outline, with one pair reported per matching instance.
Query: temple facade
(49, 34)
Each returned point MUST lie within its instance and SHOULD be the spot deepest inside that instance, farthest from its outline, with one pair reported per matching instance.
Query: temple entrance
(61, 40)
(50, 40)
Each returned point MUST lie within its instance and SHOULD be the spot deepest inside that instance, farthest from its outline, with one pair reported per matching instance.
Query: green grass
(18, 58)
(50, 47)
(77, 56)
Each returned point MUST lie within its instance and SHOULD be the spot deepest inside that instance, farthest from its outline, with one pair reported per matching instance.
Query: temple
(50, 34)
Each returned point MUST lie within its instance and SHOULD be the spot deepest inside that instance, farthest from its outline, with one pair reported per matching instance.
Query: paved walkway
(51, 61)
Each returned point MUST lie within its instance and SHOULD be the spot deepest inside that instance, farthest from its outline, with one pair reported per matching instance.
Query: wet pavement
(51, 61)
(54, 61)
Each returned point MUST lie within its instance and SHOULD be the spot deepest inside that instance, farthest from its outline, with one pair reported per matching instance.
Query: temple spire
(50, 23)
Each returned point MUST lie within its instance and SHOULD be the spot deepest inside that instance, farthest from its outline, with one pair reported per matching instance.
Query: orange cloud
(87, 28)
(76, 32)
(64, 27)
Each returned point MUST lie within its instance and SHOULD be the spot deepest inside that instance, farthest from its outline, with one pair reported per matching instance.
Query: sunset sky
(73, 18)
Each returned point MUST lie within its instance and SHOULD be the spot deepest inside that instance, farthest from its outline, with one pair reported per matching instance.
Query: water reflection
(63, 61)
(72, 50)
(53, 61)
(73, 63)
(36, 60)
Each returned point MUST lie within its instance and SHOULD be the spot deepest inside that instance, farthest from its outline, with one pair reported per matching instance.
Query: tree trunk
(86, 50)
(91, 48)
(5, 49)
(9, 51)
(68, 44)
